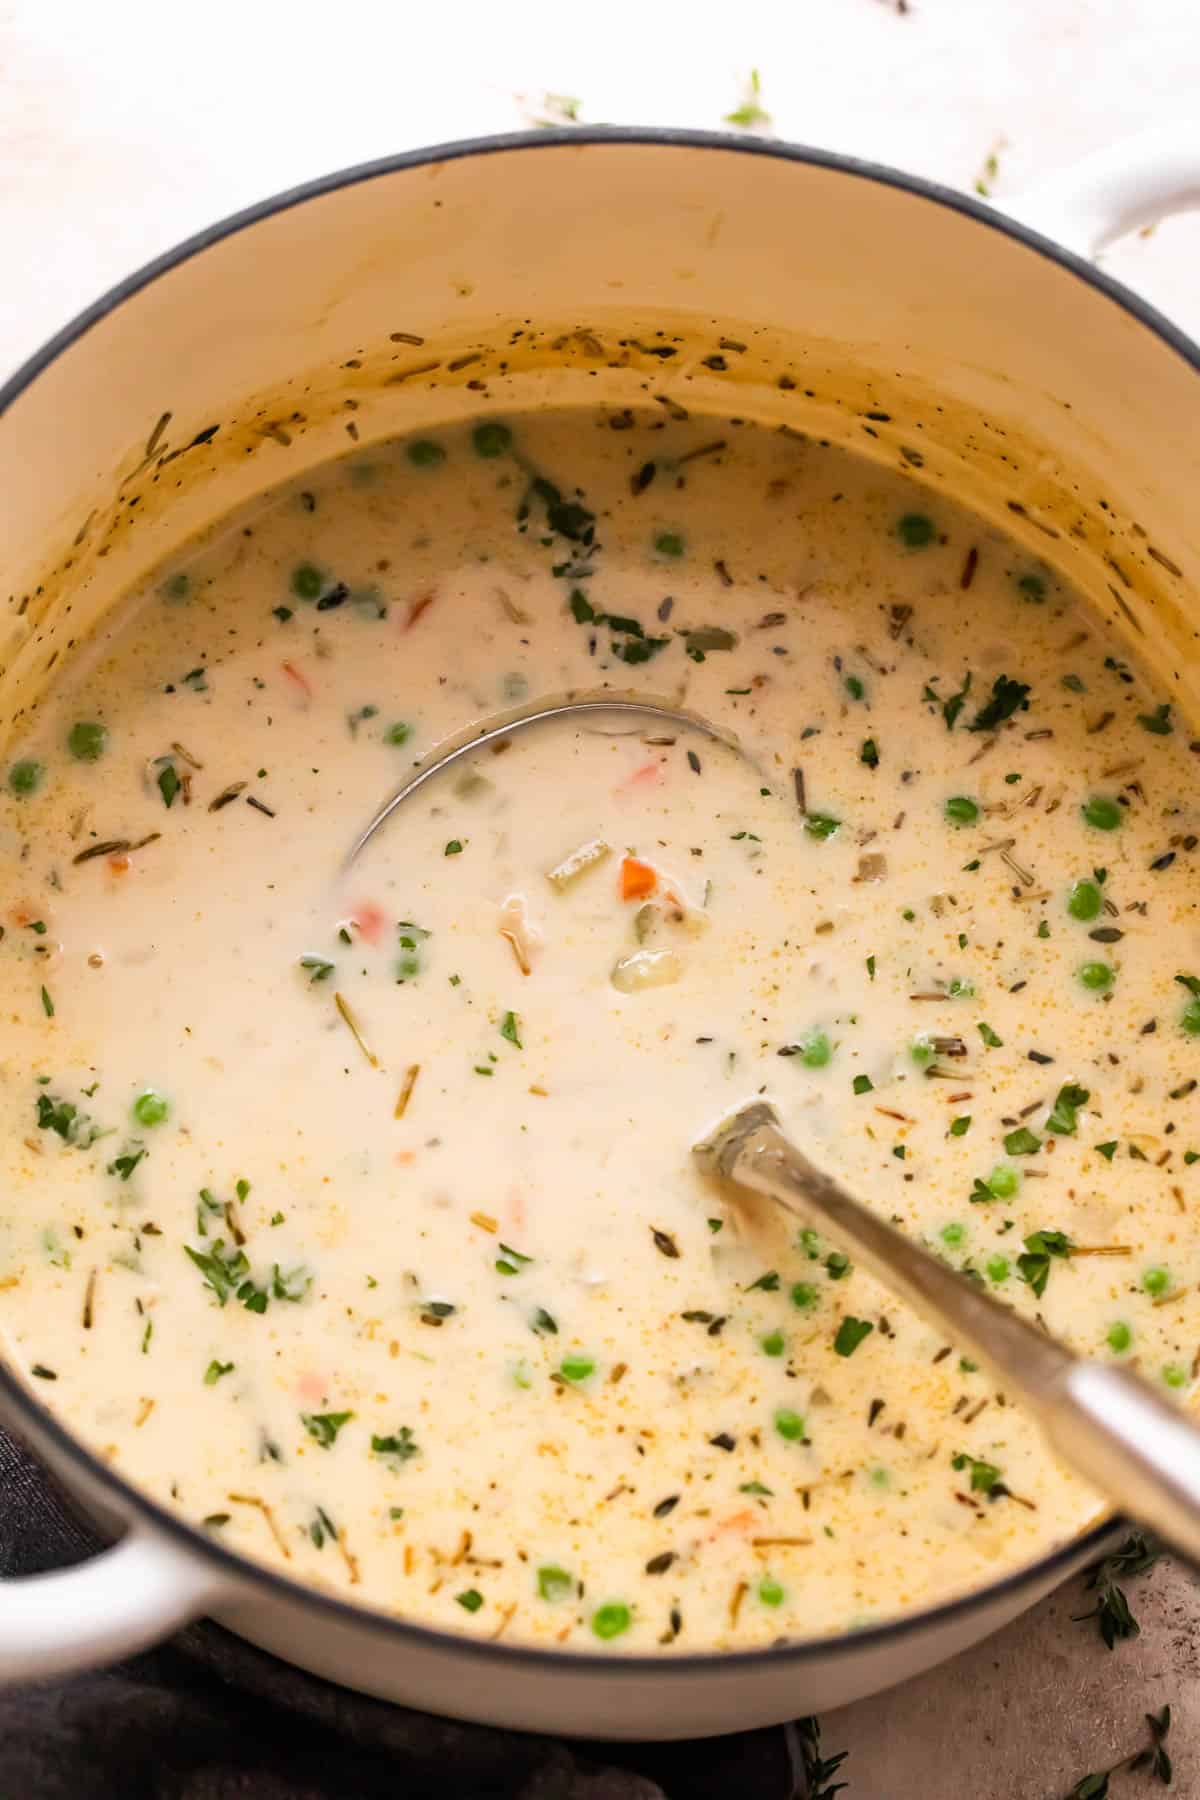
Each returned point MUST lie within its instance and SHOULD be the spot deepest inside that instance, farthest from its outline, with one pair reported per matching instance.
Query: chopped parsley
(850, 1334)
(768, 1283)
(396, 1448)
(1158, 723)
(985, 1476)
(1040, 1248)
(1007, 698)
(127, 1162)
(1063, 1121)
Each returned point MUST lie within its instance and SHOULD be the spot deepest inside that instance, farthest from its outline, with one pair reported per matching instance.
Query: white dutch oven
(857, 305)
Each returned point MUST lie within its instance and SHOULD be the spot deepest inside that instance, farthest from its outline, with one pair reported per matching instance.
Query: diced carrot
(739, 1521)
(638, 879)
(651, 771)
(120, 865)
(311, 1386)
(370, 920)
(417, 607)
(299, 677)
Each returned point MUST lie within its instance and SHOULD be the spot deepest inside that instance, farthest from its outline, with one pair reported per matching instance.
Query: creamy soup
(353, 1215)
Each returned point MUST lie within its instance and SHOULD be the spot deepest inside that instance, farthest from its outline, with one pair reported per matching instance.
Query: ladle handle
(1107, 1423)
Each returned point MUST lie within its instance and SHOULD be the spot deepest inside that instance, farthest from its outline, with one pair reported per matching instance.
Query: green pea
(24, 778)
(804, 1295)
(399, 733)
(953, 1234)
(1095, 975)
(611, 1620)
(1032, 586)
(789, 1424)
(425, 454)
(151, 1108)
(669, 543)
(997, 1268)
(1119, 1337)
(921, 1051)
(916, 530)
(1084, 901)
(961, 811)
(553, 1583)
(1004, 1181)
(774, 1344)
(576, 1368)
(307, 581)
(1102, 813)
(87, 740)
(493, 439)
(815, 1050)
(770, 1592)
(1189, 1018)
(176, 586)
(1156, 1281)
(1175, 1375)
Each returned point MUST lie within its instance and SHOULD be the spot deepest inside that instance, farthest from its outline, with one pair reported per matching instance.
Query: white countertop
(127, 126)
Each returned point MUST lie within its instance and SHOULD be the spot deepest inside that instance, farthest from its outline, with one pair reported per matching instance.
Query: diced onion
(578, 863)
(646, 969)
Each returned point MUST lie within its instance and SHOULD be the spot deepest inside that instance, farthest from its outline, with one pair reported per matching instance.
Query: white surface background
(126, 126)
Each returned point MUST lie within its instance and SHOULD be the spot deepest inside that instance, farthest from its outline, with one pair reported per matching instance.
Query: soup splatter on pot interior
(354, 1217)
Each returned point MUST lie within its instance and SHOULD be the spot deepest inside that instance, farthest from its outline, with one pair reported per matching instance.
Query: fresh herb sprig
(1152, 1760)
(1114, 1618)
(818, 1769)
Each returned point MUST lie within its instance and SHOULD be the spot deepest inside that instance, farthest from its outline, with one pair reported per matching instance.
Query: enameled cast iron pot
(808, 291)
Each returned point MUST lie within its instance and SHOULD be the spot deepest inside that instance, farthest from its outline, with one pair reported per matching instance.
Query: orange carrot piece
(299, 677)
(370, 920)
(738, 1521)
(638, 879)
(417, 607)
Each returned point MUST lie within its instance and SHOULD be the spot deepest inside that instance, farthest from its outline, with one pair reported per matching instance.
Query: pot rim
(45, 1429)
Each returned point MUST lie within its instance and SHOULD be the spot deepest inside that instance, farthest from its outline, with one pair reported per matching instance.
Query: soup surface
(353, 1215)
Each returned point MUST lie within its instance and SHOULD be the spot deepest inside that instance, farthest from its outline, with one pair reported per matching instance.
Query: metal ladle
(571, 707)
(1102, 1419)
(1105, 1421)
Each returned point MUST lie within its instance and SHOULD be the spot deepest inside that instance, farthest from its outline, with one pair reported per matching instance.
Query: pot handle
(98, 1611)
(1128, 184)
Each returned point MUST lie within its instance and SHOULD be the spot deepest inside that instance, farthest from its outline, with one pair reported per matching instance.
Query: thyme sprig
(1152, 1760)
(1114, 1619)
